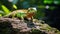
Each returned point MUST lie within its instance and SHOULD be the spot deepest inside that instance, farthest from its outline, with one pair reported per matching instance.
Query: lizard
(28, 13)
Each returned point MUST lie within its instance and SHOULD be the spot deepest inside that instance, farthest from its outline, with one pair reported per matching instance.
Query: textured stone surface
(16, 26)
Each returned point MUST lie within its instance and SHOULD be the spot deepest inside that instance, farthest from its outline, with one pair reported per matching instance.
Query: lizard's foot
(22, 20)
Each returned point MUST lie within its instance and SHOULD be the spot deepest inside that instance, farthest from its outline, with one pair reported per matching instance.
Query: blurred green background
(7, 6)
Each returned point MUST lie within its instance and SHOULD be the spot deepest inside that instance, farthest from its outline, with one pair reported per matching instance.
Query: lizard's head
(32, 9)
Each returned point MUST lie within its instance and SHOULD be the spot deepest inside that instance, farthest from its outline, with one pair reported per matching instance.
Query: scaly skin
(28, 15)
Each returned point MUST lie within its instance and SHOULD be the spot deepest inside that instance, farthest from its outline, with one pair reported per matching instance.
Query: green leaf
(41, 6)
(1, 12)
(14, 6)
(5, 9)
(0, 15)
(48, 1)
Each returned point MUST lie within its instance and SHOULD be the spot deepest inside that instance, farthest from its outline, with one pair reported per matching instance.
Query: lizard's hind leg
(13, 15)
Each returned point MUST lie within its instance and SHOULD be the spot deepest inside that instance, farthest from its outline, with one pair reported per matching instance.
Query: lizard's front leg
(22, 18)
(32, 18)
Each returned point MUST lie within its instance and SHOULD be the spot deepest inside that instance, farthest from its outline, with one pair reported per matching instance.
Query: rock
(16, 26)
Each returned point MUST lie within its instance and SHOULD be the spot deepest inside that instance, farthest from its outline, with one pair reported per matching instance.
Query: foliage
(6, 10)
(10, 5)
(14, 6)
